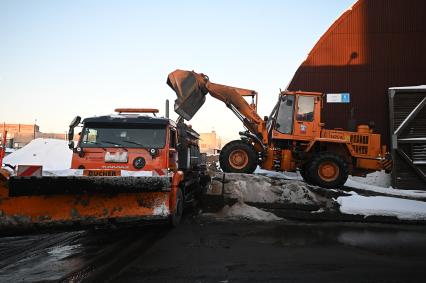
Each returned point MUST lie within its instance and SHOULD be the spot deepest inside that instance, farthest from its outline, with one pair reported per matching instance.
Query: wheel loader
(128, 167)
(291, 138)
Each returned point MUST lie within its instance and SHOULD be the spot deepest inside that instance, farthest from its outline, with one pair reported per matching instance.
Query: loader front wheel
(174, 219)
(238, 157)
(327, 170)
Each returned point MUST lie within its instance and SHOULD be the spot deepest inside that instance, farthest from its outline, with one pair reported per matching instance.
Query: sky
(59, 59)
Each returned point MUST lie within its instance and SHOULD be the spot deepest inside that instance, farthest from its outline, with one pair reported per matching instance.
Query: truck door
(304, 116)
(173, 154)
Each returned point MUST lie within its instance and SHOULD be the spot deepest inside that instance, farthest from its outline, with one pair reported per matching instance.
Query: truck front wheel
(327, 170)
(238, 157)
(174, 219)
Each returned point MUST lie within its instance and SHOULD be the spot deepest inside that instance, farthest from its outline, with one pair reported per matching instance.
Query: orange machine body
(107, 183)
(292, 138)
(306, 132)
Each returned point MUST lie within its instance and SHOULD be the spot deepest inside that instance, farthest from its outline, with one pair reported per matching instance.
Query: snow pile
(278, 175)
(52, 154)
(244, 211)
(383, 206)
(379, 179)
(261, 189)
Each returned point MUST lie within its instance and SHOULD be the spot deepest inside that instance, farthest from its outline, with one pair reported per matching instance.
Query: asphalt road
(201, 250)
(283, 252)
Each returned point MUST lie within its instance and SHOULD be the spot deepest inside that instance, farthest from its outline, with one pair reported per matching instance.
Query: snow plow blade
(58, 202)
(190, 91)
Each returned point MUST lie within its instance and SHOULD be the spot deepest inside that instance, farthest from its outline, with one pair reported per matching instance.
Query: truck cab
(131, 142)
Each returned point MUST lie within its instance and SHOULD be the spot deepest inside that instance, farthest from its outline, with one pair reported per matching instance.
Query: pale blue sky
(59, 59)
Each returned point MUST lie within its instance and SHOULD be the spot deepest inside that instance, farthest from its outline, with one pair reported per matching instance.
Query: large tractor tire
(327, 170)
(174, 219)
(238, 157)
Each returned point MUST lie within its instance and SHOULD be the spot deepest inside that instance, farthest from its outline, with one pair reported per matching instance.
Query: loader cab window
(284, 122)
(124, 136)
(305, 108)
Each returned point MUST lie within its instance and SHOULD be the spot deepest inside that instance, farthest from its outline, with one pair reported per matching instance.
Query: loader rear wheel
(175, 218)
(238, 157)
(327, 170)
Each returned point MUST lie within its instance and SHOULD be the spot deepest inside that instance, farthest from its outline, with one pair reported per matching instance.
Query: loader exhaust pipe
(167, 109)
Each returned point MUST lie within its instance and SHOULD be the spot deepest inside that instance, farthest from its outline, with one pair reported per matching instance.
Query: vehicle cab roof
(121, 119)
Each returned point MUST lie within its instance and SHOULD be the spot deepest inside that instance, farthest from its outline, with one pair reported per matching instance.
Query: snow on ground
(261, 189)
(403, 209)
(243, 211)
(378, 182)
(52, 154)
(385, 190)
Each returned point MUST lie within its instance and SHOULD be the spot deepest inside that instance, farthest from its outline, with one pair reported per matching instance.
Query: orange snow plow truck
(127, 167)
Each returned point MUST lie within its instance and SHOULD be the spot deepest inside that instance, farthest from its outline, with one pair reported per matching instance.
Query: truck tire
(238, 157)
(174, 219)
(327, 170)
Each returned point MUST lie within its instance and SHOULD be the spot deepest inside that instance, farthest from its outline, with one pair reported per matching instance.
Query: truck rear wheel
(327, 170)
(238, 157)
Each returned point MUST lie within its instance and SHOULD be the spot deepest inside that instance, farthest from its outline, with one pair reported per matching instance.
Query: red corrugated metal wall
(373, 46)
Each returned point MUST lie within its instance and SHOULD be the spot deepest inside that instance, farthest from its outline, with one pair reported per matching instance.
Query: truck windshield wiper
(136, 143)
(110, 142)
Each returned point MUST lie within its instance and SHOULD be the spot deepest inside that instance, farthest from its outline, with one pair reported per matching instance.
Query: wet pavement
(202, 250)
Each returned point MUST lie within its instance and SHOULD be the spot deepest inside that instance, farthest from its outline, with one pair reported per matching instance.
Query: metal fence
(407, 113)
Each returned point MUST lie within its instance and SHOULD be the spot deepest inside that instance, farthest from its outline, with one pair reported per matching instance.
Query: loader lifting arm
(191, 89)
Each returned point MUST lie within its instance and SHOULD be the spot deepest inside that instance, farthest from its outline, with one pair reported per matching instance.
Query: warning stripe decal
(30, 171)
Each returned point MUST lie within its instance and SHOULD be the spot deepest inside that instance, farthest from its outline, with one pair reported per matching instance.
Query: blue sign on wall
(343, 97)
(346, 98)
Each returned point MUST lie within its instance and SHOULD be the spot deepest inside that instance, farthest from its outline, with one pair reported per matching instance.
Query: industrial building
(374, 45)
(19, 135)
(210, 143)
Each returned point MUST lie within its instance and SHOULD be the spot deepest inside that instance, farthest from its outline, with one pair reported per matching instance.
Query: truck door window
(285, 115)
(90, 135)
(305, 108)
(172, 138)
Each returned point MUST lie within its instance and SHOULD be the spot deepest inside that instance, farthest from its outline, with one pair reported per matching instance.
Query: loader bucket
(190, 90)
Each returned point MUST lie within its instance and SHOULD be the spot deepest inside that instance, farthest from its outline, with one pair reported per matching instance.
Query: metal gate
(408, 137)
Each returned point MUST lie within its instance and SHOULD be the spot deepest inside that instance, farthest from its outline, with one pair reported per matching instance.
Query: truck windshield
(131, 137)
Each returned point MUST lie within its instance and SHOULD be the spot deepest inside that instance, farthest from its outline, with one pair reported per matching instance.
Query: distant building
(210, 143)
(19, 135)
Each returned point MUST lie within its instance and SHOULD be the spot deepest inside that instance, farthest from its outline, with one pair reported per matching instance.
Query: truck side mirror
(74, 123)
(71, 144)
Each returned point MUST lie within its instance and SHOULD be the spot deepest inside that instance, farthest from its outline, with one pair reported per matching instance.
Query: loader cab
(296, 116)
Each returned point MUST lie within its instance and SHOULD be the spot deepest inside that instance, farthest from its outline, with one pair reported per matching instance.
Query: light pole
(35, 124)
